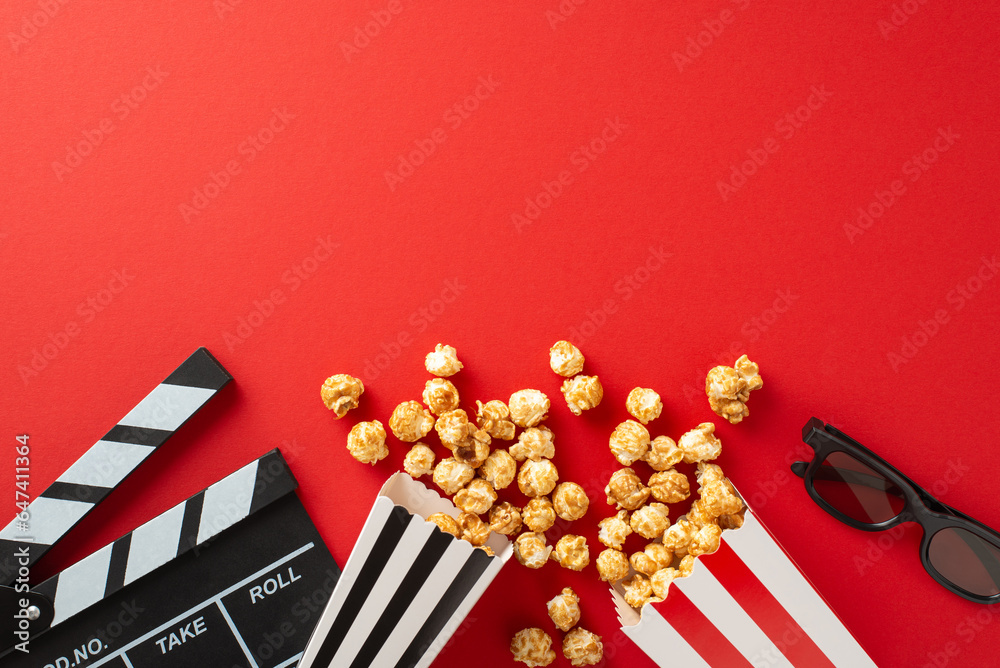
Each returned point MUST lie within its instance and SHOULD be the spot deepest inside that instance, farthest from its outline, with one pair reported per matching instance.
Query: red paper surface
(223, 240)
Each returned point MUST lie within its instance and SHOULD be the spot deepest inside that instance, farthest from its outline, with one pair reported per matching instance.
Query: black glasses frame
(919, 506)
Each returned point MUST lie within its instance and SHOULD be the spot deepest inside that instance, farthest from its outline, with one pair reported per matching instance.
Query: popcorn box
(747, 604)
(407, 585)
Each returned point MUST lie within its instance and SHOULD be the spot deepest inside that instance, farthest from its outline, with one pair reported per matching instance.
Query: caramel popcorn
(565, 359)
(539, 514)
(440, 395)
(505, 519)
(699, 515)
(477, 497)
(644, 404)
(534, 443)
(564, 609)
(612, 565)
(729, 388)
(705, 541)
(663, 453)
(531, 550)
(475, 451)
(537, 478)
(626, 490)
(366, 442)
(629, 442)
(452, 475)
(651, 520)
(637, 590)
(685, 567)
(661, 579)
(670, 486)
(454, 429)
(709, 473)
(700, 444)
(643, 563)
(499, 469)
(341, 393)
(532, 647)
(410, 421)
(679, 536)
(659, 553)
(582, 393)
(583, 648)
(493, 416)
(419, 460)
(528, 407)
(571, 552)
(570, 501)
(732, 520)
(473, 529)
(720, 498)
(446, 523)
(443, 361)
(614, 530)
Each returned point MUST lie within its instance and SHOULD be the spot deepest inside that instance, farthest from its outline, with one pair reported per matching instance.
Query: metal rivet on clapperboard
(33, 612)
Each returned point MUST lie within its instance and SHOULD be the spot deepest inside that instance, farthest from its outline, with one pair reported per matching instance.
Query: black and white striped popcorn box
(406, 588)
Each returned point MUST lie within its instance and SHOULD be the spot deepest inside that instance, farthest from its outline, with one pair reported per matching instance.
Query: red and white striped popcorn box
(746, 604)
(406, 588)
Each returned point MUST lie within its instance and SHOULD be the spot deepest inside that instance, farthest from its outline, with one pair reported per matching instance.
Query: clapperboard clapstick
(234, 576)
(406, 588)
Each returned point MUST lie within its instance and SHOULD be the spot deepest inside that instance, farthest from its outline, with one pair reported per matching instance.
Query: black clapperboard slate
(236, 576)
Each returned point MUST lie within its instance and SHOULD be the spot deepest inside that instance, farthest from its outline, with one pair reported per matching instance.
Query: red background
(656, 185)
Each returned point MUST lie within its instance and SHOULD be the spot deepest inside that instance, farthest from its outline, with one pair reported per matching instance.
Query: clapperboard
(234, 577)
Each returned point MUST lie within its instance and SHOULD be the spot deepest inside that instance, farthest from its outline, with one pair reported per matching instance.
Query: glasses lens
(966, 560)
(856, 490)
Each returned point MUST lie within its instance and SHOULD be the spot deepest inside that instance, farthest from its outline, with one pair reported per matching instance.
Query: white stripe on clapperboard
(461, 611)
(415, 616)
(227, 501)
(154, 543)
(167, 407)
(50, 519)
(722, 610)
(82, 584)
(410, 544)
(106, 464)
(218, 597)
(776, 571)
(659, 639)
